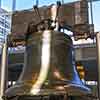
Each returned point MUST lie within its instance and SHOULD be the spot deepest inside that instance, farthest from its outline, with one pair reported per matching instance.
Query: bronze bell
(49, 67)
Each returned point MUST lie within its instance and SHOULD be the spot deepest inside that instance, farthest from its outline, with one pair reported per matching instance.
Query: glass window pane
(27, 4)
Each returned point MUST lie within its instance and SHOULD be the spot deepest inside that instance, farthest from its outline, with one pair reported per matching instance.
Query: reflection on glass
(27, 4)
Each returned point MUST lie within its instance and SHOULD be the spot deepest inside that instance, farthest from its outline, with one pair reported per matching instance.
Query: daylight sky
(25, 4)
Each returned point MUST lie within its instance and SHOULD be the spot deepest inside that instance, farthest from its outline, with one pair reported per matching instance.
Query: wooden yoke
(70, 17)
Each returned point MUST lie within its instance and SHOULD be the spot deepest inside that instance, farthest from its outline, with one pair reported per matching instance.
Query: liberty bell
(49, 67)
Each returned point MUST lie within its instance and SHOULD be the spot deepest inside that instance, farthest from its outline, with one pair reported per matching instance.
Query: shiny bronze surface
(49, 67)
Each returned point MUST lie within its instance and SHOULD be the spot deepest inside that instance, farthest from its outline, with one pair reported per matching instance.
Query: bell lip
(82, 87)
(70, 89)
(55, 93)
